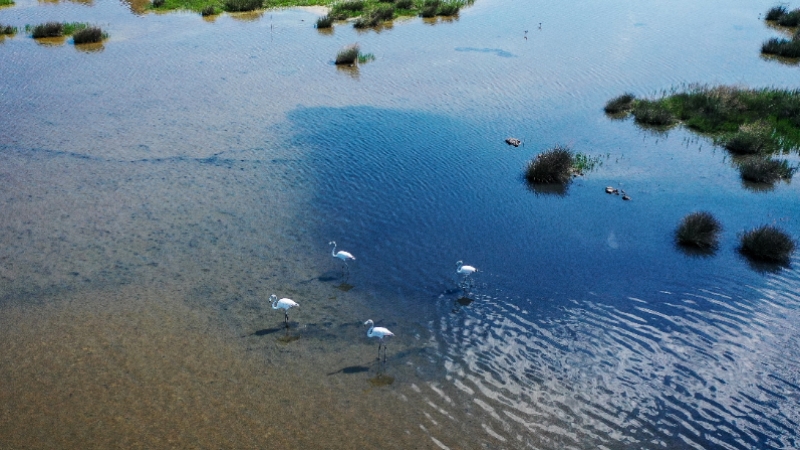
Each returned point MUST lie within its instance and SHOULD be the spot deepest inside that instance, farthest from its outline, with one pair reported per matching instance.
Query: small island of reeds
(351, 54)
(558, 165)
(756, 123)
(82, 33)
(698, 230)
(767, 243)
(787, 48)
(7, 30)
(366, 13)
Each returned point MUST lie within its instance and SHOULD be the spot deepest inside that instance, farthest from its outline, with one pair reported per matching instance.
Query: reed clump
(6, 3)
(788, 48)
(653, 113)
(767, 243)
(346, 9)
(433, 8)
(209, 10)
(700, 230)
(7, 30)
(765, 170)
(751, 139)
(54, 29)
(242, 5)
(552, 166)
(620, 104)
(89, 35)
(375, 16)
(325, 21)
(348, 55)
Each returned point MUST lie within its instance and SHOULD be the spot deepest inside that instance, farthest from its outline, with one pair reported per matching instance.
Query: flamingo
(341, 254)
(285, 304)
(380, 333)
(461, 269)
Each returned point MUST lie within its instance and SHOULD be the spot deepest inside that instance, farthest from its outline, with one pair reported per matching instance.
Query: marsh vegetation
(699, 230)
(744, 120)
(54, 29)
(767, 243)
(6, 2)
(89, 35)
(7, 30)
(558, 165)
(788, 48)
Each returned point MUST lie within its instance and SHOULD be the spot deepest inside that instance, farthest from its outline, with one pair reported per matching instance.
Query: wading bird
(285, 304)
(341, 254)
(380, 333)
(461, 269)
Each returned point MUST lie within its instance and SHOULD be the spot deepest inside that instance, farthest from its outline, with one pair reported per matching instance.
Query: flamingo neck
(333, 251)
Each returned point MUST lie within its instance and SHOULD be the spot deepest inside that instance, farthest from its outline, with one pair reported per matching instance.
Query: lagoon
(158, 189)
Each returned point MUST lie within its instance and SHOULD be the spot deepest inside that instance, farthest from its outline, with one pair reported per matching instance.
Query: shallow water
(155, 191)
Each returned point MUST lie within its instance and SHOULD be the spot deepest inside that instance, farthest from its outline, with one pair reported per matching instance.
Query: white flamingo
(461, 269)
(341, 254)
(380, 333)
(285, 304)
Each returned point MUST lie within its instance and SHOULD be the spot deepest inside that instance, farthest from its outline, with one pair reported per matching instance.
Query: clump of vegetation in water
(582, 163)
(375, 16)
(652, 113)
(54, 29)
(209, 10)
(620, 104)
(365, 57)
(242, 5)
(700, 230)
(324, 21)
(553, 166)
(7, 30)
(89, 35)
(751, 139)
(788, 48)
(767, 243)
(724, 110)
(348, 55)
(765, 170)
(433, 8)
(6, 3)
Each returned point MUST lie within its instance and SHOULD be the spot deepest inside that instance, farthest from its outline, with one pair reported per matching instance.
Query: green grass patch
(723, 111)
(242, 5)
(54, 29)
(365, 57)
(6, 2)
(582, 163)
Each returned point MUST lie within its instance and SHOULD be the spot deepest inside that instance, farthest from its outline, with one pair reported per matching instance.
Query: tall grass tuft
(404, 4)
(243, 5)
(7, 30)
(767, 243)
(620, 104)
(765, 170)
(374, 17)
(89, 35)
(649, 112)
(782, 47)
(348, 55)
(751, 139)
(698, 229)
(776, 12)
(429, 8)
(551, 166)
(325, 21)
(49, 29)
(6, 3)
(208, 11)
(790, 19)
(449, 8)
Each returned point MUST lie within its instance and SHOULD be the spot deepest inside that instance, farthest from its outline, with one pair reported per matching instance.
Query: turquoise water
(196, 167)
